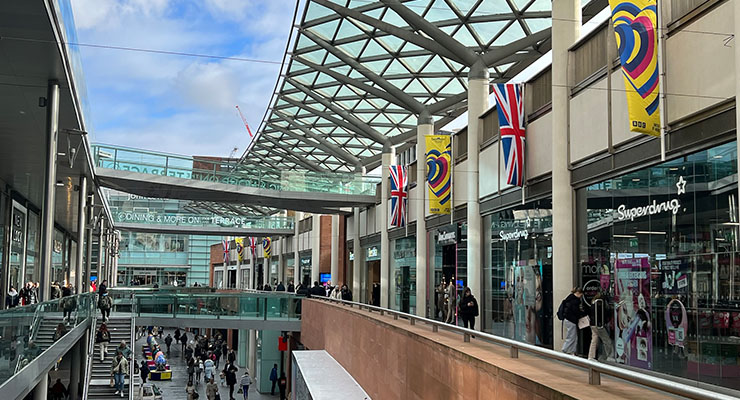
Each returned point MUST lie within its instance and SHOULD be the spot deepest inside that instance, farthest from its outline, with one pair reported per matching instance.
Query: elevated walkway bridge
(161, 175)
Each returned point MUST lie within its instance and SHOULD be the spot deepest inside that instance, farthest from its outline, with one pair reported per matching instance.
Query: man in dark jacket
(574, 309)
(280, 287)
(230, 375)
(317, 290)
(468, 308)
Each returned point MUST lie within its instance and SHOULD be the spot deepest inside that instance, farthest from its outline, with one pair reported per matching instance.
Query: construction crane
(244, 120)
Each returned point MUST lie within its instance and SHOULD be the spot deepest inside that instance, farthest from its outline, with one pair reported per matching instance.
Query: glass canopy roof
(360, 72)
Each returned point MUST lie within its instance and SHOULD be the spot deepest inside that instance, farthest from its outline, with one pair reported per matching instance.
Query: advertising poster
(676, 321)
(674, 276)
(633, 331)
(634, 24)
(439, 170)
(528, 301)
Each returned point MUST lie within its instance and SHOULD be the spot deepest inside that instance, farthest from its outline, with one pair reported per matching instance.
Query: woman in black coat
(468, 308)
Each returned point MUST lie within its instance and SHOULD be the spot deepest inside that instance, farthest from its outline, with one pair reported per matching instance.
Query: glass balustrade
(246, 306)
(28, 331)
(229, 171)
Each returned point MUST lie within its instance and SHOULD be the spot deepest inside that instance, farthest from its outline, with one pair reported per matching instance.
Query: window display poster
(633, 335)
(676, 321)
(528, 310)
(674, 276)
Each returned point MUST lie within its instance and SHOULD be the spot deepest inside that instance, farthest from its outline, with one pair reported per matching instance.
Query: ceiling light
(650, 233)
(673, 169)
(717, 156)
(624, 236)
(635, 179)
(731, 223)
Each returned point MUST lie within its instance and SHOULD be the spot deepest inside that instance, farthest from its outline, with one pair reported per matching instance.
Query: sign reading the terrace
(204, 220)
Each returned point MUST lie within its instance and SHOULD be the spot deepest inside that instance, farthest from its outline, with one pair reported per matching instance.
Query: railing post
(395, 316)
(412, 321)
(435, 328)
(466, 337)
(382, 312)
(514, 352)
(594, 377)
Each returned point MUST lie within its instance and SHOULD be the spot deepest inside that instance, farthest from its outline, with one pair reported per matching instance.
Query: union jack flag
(399, 195)
(510, 99)
(225, 245)
(253, 246)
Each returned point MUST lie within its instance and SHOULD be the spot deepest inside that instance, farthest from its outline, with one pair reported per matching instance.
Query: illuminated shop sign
(654, 208)
(515, 235)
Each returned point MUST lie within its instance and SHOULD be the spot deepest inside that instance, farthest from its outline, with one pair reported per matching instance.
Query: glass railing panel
(230, 172)
(22, 339)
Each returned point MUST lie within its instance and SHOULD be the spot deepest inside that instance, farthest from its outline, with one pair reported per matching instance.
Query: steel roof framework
(362, 73)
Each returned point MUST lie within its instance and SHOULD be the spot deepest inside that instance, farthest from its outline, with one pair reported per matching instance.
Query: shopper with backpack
(570, 311)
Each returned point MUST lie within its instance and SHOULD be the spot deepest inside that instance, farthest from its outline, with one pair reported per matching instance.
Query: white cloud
(176, 103)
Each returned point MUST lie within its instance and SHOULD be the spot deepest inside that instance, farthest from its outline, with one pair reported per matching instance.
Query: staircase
(45, 334)
(120, 329)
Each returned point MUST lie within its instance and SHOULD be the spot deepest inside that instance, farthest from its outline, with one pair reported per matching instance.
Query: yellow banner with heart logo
(439, 170)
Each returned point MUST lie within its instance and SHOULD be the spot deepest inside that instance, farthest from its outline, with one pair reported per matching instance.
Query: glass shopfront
(17, 245)
(518, 274)
(306, 267)
(289, 270)
(403, 275)
(370, 279)
(662, 244)
(448, 269)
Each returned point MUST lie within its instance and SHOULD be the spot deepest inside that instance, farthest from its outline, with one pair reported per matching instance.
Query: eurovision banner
(633, 330)
(267, 247)
(635, 23)
(439, 169)
(240, 248)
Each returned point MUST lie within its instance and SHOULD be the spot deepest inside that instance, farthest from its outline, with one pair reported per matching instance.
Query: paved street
(175, 388)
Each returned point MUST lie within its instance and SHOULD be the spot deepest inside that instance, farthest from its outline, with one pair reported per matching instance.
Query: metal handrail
(90, 353)
(132, 341)
(594, 368)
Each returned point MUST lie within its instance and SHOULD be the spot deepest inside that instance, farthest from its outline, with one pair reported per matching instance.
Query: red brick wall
(217, 257)
(325, 252)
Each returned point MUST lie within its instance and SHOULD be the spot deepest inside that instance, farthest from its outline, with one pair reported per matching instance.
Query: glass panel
(671, 232)
(32, 248)
(403, 283)
(17, 246)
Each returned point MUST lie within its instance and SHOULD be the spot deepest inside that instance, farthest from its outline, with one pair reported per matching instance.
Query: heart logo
(438, 173)
(634, 28)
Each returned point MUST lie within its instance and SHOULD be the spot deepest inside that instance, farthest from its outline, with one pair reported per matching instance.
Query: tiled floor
(175, 388)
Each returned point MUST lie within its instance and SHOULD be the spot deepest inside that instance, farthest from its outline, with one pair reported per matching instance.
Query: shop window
(447, 276)
(518, 274)
(661, 244)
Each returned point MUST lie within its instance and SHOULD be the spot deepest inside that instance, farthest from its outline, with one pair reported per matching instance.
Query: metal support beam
(393, 30)
(50, 181)
(306, 163)
(370, 131)
(493, 57)
(81, 234)
(439, 36)
(378, 138)
(411, 103)
(447, 104)
(322, 143)
(354, 82)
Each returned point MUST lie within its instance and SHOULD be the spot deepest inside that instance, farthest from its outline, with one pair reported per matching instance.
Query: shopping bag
(584, 322)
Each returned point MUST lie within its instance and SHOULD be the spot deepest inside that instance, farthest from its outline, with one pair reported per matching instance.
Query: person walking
(230, 373)
(291, 287)
(58, 391)
(346, 294)
(184, 340)
(12, 298)
(168, 342)
(209, 369)
(211, 389)
(104, 304)
(600, 317)
(317, 290)
(119, 369)
(177, 335)
(190, 390)
(198, 370)
(232, 356)
(143, 371)
(102, 338)
(570, 311)
(273, 378)
(468, 308)
(191, 369)
(282, 385)
(244, 382)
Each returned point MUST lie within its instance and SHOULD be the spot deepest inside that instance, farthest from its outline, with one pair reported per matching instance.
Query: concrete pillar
(280, 271)
(243, 348)
(385, 246)
(50, 183)
(81, 234)
(41, 391)
(566, 23)
(252, 358)
(297, 276)
(357, 252)
(101, 251)
(90, 229)
(315, 247)
(253, 273)
(74, 373)
(425, 127)
(335, 249)
(477, 103)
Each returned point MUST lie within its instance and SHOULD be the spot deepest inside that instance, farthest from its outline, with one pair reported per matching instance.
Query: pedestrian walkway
(175, 389)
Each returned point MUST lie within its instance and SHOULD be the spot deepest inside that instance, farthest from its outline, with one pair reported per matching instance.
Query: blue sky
(175, 103)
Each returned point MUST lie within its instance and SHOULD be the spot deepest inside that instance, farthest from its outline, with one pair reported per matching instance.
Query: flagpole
(661, 75)
(524, 147)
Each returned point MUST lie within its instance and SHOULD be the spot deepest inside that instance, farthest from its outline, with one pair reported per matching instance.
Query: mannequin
(451, 297)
